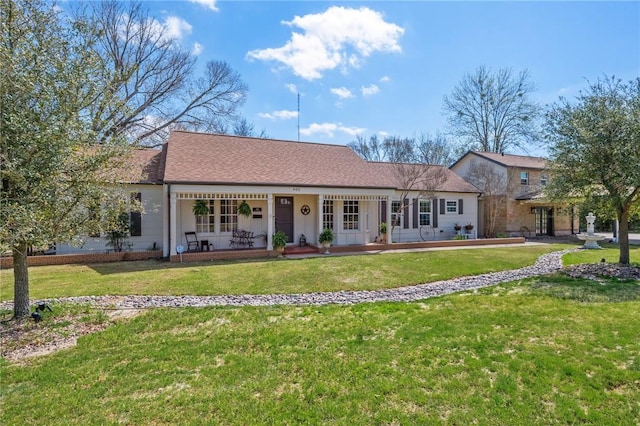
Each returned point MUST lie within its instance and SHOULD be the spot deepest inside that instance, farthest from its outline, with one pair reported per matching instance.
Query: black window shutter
(434, 214)
(383, 213)
(460, 206)
(443, 209)
(416, 220)
(405, 213)
(135, 219)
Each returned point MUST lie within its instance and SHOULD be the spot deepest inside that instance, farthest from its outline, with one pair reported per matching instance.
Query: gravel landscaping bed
(545, 264)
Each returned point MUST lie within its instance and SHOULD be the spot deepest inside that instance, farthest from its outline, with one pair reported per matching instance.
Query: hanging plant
(244, 209)
(201, 208)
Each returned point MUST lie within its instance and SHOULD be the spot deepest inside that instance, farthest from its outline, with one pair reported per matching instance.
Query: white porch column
(172, 226)
(269, 221)
(389, 236)
(320, 215)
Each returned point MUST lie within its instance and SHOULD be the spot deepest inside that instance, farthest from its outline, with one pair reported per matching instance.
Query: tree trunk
(623, 237)
(20, 282)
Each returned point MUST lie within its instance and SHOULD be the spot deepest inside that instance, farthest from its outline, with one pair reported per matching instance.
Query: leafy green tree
(53, 172)
(595, 148)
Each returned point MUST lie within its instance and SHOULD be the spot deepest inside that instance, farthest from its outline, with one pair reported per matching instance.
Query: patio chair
(192, 241)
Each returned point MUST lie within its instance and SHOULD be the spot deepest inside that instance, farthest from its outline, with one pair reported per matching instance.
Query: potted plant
(326, 238)
(244, 209)
(468, 227)
(457, 226)
(383, 232)
(201, 208)
(279, 241)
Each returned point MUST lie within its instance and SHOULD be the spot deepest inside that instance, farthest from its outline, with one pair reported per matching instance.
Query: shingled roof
(510, 160)
(222, 159)
(450, 182)
(200, 158)
(152, 164)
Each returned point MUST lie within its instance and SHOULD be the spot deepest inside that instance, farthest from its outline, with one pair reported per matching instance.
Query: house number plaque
(305, 210)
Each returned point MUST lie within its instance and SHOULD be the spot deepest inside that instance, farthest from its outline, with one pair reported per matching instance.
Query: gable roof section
(451, 182)
(221, 159)
(149, 163)
(508, 160)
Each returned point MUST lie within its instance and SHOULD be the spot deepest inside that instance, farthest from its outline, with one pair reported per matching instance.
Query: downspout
(169, 219)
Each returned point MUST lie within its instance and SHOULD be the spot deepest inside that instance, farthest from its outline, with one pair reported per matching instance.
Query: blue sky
(383, 67)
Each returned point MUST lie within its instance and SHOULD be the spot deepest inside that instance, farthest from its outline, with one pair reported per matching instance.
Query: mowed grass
(362, 272)
(610, 253)
(518, 353)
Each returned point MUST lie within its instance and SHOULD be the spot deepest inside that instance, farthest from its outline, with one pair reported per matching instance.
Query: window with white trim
(424, 212)
(396, 213)
(327, 214)
(451, 206)
(543, 180)
(351, 215)
(228, 215)
(206, 223)
(524, 178)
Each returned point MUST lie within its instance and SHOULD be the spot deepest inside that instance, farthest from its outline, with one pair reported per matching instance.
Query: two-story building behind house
(513, 201)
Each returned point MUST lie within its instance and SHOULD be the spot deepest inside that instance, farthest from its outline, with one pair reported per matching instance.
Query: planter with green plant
(244, 209)
(383, 232)
(201, 208)
(326, 238)
(468, 227)
(279, 241)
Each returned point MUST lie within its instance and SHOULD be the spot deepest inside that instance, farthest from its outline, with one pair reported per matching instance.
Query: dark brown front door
(284, 216)
(544, 221)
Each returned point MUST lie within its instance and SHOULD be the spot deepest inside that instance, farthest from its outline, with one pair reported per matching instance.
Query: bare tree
(493, 185)
(409, 160)
(243, 127)
(434, 150)
(423, 149)
(154, 78)
(370, 150)
(425, 179)
(492, 111)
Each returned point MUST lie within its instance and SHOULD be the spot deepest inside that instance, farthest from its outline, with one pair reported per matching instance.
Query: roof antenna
(298, 116)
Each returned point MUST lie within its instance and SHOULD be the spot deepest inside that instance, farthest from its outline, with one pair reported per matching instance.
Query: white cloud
(209, 4)
(383, 133)
(292, 87)
(371, 90)
(279, 115)
(338, 37)
(176, 27)
(197, 49)
(342, 92)
(385, 79)
(329, 129)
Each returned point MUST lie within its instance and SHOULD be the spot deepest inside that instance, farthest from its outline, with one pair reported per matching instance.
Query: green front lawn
(519, 353)
(610, 253)
(362, 272)
(546, 350)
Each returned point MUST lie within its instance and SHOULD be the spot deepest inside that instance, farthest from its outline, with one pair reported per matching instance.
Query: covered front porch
(301, 213)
